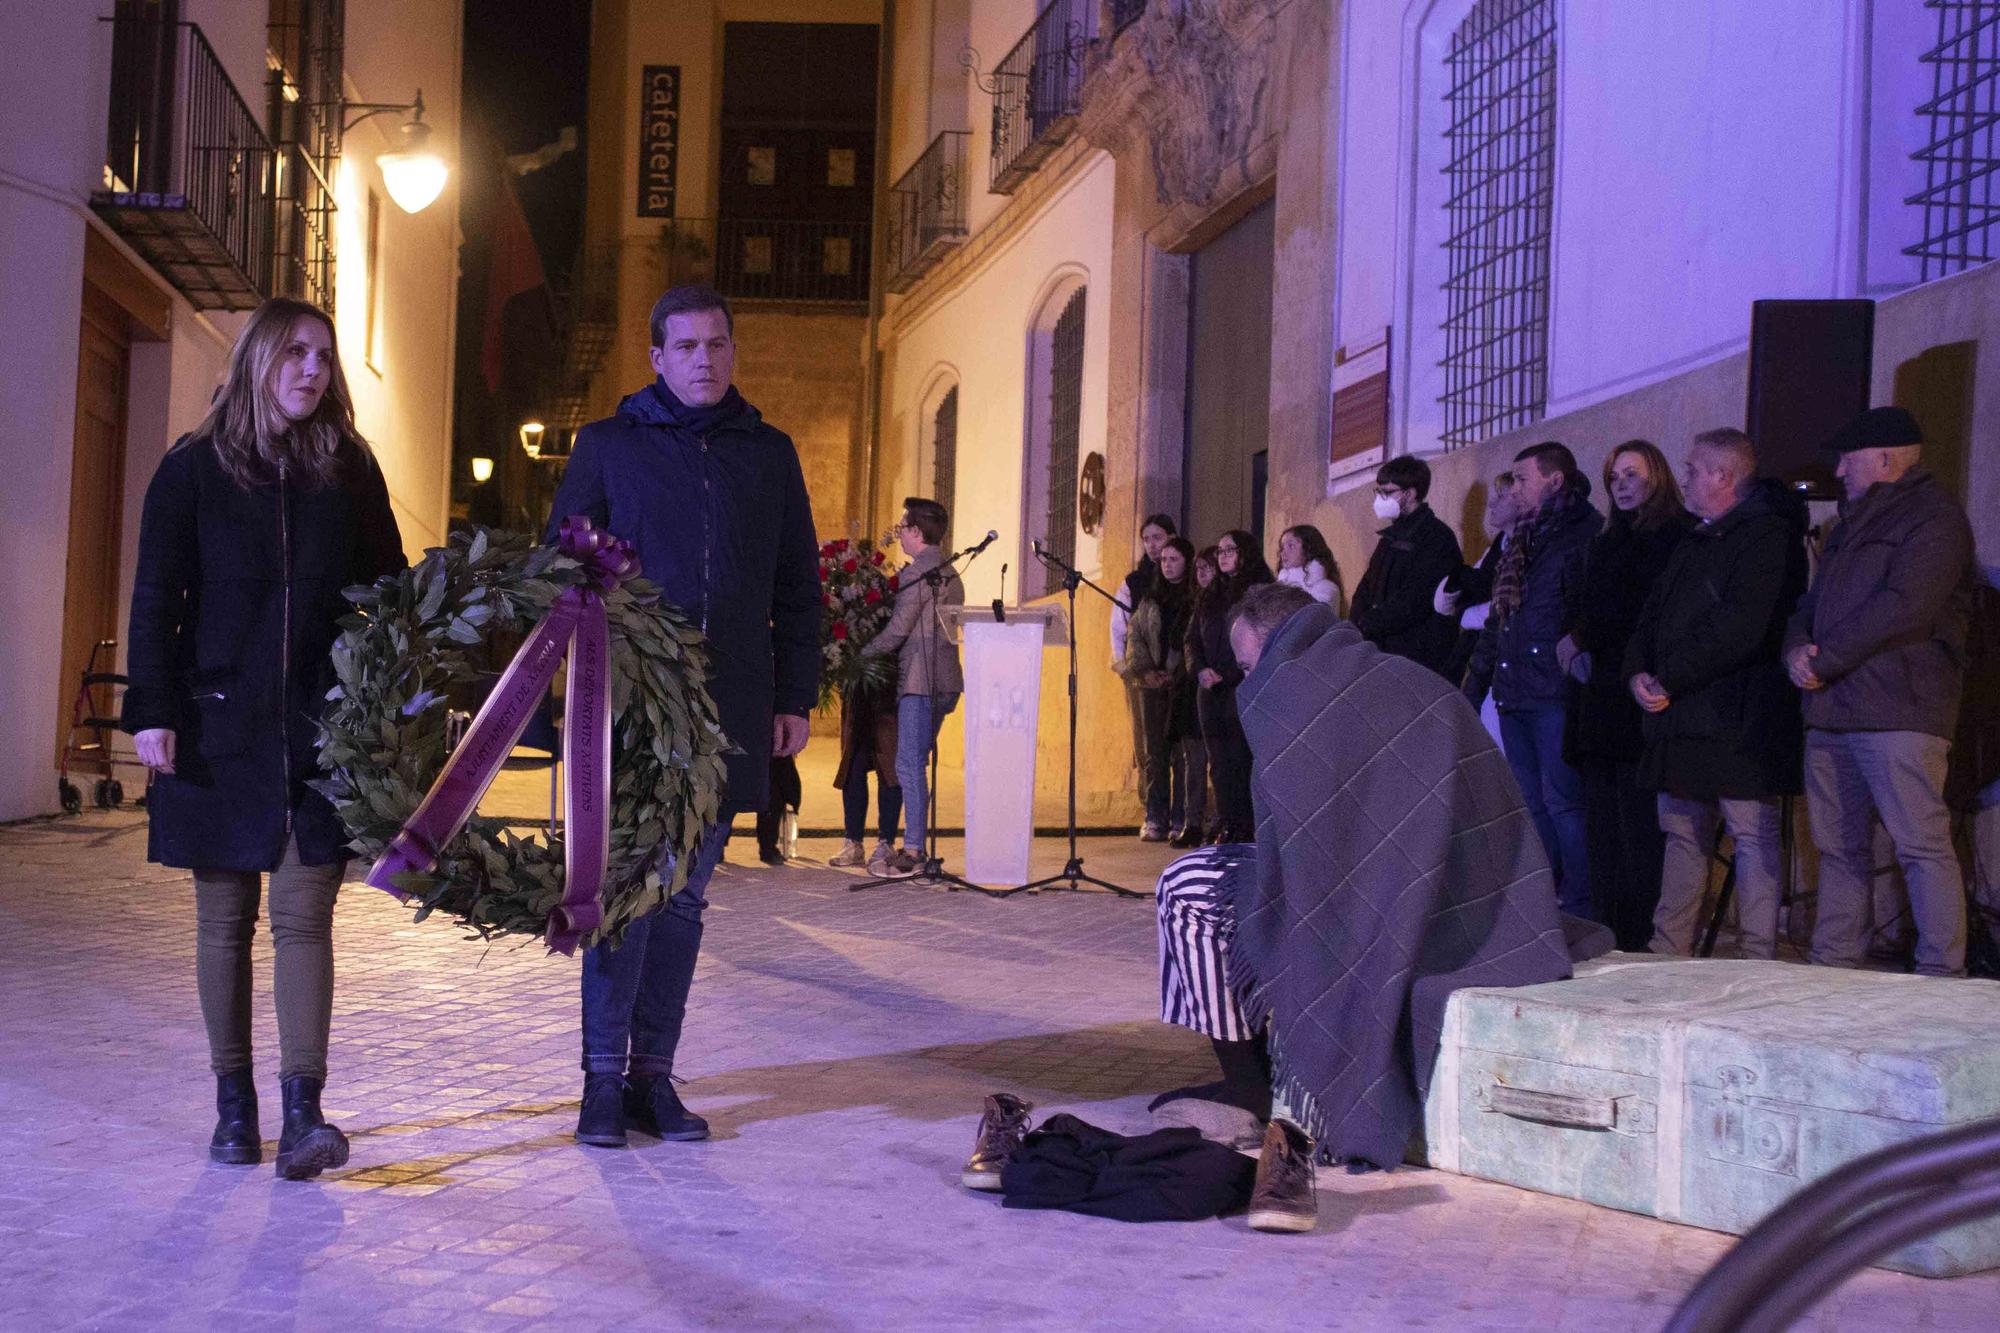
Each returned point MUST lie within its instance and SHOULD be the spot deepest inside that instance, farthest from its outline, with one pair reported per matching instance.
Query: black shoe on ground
(653, 1107)
(307, 1145)
(1001, 1129)
(1283, 1198)
(600, 1121)
(237, 1140)
(1191, 836)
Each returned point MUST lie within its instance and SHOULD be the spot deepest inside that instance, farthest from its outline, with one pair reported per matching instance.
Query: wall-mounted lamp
(412, 171)
(482, 470)
(531, 438)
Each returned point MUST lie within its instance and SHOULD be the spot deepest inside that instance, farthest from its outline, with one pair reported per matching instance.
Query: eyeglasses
(1225, 550)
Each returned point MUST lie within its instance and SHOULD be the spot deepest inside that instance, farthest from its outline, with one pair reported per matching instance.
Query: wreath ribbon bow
(575, 626)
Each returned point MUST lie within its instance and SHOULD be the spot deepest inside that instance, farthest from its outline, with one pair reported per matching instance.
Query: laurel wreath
(428, 641)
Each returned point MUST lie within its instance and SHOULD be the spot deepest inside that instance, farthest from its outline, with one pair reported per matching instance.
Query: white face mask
(1386, 508)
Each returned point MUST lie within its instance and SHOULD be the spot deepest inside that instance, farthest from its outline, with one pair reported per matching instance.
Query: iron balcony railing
(1037, 88)
(927, 210)
(187, 171)
(814, 263)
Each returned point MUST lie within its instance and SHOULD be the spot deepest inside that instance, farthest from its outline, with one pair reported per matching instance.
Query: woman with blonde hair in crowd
(252, 525)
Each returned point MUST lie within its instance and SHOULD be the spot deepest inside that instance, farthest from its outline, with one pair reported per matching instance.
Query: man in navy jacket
(714, 502)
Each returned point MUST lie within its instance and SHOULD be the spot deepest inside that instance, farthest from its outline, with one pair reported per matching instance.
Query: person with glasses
(1393, 608)
(1239, 567)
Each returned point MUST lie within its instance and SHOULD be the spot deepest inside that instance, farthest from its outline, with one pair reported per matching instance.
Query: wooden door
(96, 499)
(1229, 378)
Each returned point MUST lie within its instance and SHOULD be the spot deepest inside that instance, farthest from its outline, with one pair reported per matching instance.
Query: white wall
(979, 333)
(1708, 154)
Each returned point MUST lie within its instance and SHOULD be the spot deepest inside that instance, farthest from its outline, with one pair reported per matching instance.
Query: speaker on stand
(1810, 367)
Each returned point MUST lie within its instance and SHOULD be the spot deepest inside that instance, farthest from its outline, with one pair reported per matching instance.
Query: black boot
(236, 1141)
(653, 1107)
(308, 1144)
(601, 1120)
(1245, 1081)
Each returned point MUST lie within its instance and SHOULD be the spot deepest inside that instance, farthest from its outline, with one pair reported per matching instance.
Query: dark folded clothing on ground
(1169, 1175)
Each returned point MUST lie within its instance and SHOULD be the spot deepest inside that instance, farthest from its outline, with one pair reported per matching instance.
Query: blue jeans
(635, 996)
(918, 717)
(854, 799)
(1553, 792)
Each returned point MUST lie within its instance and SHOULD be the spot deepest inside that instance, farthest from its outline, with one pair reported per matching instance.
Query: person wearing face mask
(1603, 741)
(1879, 648)
(1155, 643)
(1306, 561)
(1416, 552)
(1536, 589)
(1153, 534)
(1722, 732)
(1239, 567)
(252, 525)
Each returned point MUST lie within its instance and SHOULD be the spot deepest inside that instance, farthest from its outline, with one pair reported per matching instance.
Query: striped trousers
(1195, 928)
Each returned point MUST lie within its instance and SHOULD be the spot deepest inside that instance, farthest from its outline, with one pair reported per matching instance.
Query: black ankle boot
(236, 1140)
(653, 1107)
(308, 1144)
(600, 1122)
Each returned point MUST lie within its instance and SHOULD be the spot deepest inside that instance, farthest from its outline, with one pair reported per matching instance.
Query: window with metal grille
(1962, 158)
(306, 56)
(1501, 173)
(1065, 424)
(944, 449)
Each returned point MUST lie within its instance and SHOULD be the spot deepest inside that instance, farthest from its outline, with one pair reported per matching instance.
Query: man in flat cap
(1878, 647)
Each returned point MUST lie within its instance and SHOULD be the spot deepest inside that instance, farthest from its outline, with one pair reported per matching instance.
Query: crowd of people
(1654, 673)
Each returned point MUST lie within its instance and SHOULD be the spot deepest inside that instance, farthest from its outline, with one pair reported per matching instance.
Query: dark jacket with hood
(1517, 652)
(1624, 563)
(1393, 606)
(1889, 612)
(235, 607)
(715, 504)
(1710, 632)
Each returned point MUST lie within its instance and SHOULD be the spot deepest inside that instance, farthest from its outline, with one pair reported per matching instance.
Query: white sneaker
(1152, 833)
(850, 854)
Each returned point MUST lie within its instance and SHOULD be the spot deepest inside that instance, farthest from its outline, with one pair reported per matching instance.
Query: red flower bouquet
(858, 594)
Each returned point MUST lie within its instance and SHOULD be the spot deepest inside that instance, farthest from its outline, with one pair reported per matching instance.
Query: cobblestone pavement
(840, 1043)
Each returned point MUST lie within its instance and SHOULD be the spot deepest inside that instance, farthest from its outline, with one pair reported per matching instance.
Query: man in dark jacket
(715, 503)
(1878, 646)
(1392, 607)
(1535, 591)
(1722, 735)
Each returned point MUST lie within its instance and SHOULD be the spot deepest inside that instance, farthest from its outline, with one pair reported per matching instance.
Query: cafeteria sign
(659, 139)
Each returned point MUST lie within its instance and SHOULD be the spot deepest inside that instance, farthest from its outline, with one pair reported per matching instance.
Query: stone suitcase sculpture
(1707, 1091)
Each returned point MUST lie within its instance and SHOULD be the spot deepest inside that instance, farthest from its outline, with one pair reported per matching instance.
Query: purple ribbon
(574, 625)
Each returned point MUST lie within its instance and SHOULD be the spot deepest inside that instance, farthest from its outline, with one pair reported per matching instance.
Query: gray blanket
(1395, 864)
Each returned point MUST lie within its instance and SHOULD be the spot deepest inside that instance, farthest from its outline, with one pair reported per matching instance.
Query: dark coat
(715, 504)
(1710, 632)
(1623, 564)
(1474, 584)
(1518, 654)
(1889, 611)
(870, 716)
(1395, 864)
(1393, 606)
(235, 605)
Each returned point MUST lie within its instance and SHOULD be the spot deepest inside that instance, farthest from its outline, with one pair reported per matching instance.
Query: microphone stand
(932, 870)
(1073, 876)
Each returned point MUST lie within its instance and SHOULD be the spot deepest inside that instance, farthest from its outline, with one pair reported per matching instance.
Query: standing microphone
(1000, 602)
(1036, 546)
(991, 537)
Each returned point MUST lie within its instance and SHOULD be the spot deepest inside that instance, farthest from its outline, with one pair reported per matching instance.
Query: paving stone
(840, 1043)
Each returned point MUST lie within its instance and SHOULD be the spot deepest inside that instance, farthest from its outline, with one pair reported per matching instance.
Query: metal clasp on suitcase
(1566, 1110)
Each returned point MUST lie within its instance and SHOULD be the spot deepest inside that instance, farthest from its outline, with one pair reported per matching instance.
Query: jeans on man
(1898, 775)
(1689, 825)
(918, 717)
(635, 996)
(1532, 739)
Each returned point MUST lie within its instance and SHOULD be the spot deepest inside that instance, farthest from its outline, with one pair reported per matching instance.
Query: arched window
(1054, 425)
(944, 449)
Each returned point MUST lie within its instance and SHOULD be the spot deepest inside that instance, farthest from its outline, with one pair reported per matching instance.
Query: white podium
(1003, 696)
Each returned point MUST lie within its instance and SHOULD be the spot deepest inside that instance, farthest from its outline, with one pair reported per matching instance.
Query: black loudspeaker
(1809, 370)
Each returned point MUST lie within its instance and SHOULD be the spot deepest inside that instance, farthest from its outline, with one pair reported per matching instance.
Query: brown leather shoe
(1283, 1198)
(1001, 1130)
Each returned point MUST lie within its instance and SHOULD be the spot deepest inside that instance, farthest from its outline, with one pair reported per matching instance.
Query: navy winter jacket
(235, 607)
(1519, 654)
(715, 504)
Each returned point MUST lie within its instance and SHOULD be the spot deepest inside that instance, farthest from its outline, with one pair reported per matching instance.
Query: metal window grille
(1962, 158)
(307, 58)
(944, 449)
(1065, 424)
(1502, 136)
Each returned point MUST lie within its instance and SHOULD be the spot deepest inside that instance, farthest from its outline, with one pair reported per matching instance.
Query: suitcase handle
(1554, 1108)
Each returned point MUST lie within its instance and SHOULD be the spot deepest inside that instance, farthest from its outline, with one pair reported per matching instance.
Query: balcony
(303, 209)
(927, 211)
(188, 171)
(587, 302)
(1037, 88)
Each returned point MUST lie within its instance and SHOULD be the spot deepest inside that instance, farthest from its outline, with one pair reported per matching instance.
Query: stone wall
(805, 371)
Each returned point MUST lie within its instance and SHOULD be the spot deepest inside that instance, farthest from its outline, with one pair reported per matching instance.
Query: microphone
(991, 537)
(1036, 546)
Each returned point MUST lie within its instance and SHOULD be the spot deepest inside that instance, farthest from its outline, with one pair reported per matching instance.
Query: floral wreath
(859, 595)
(423, 641)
